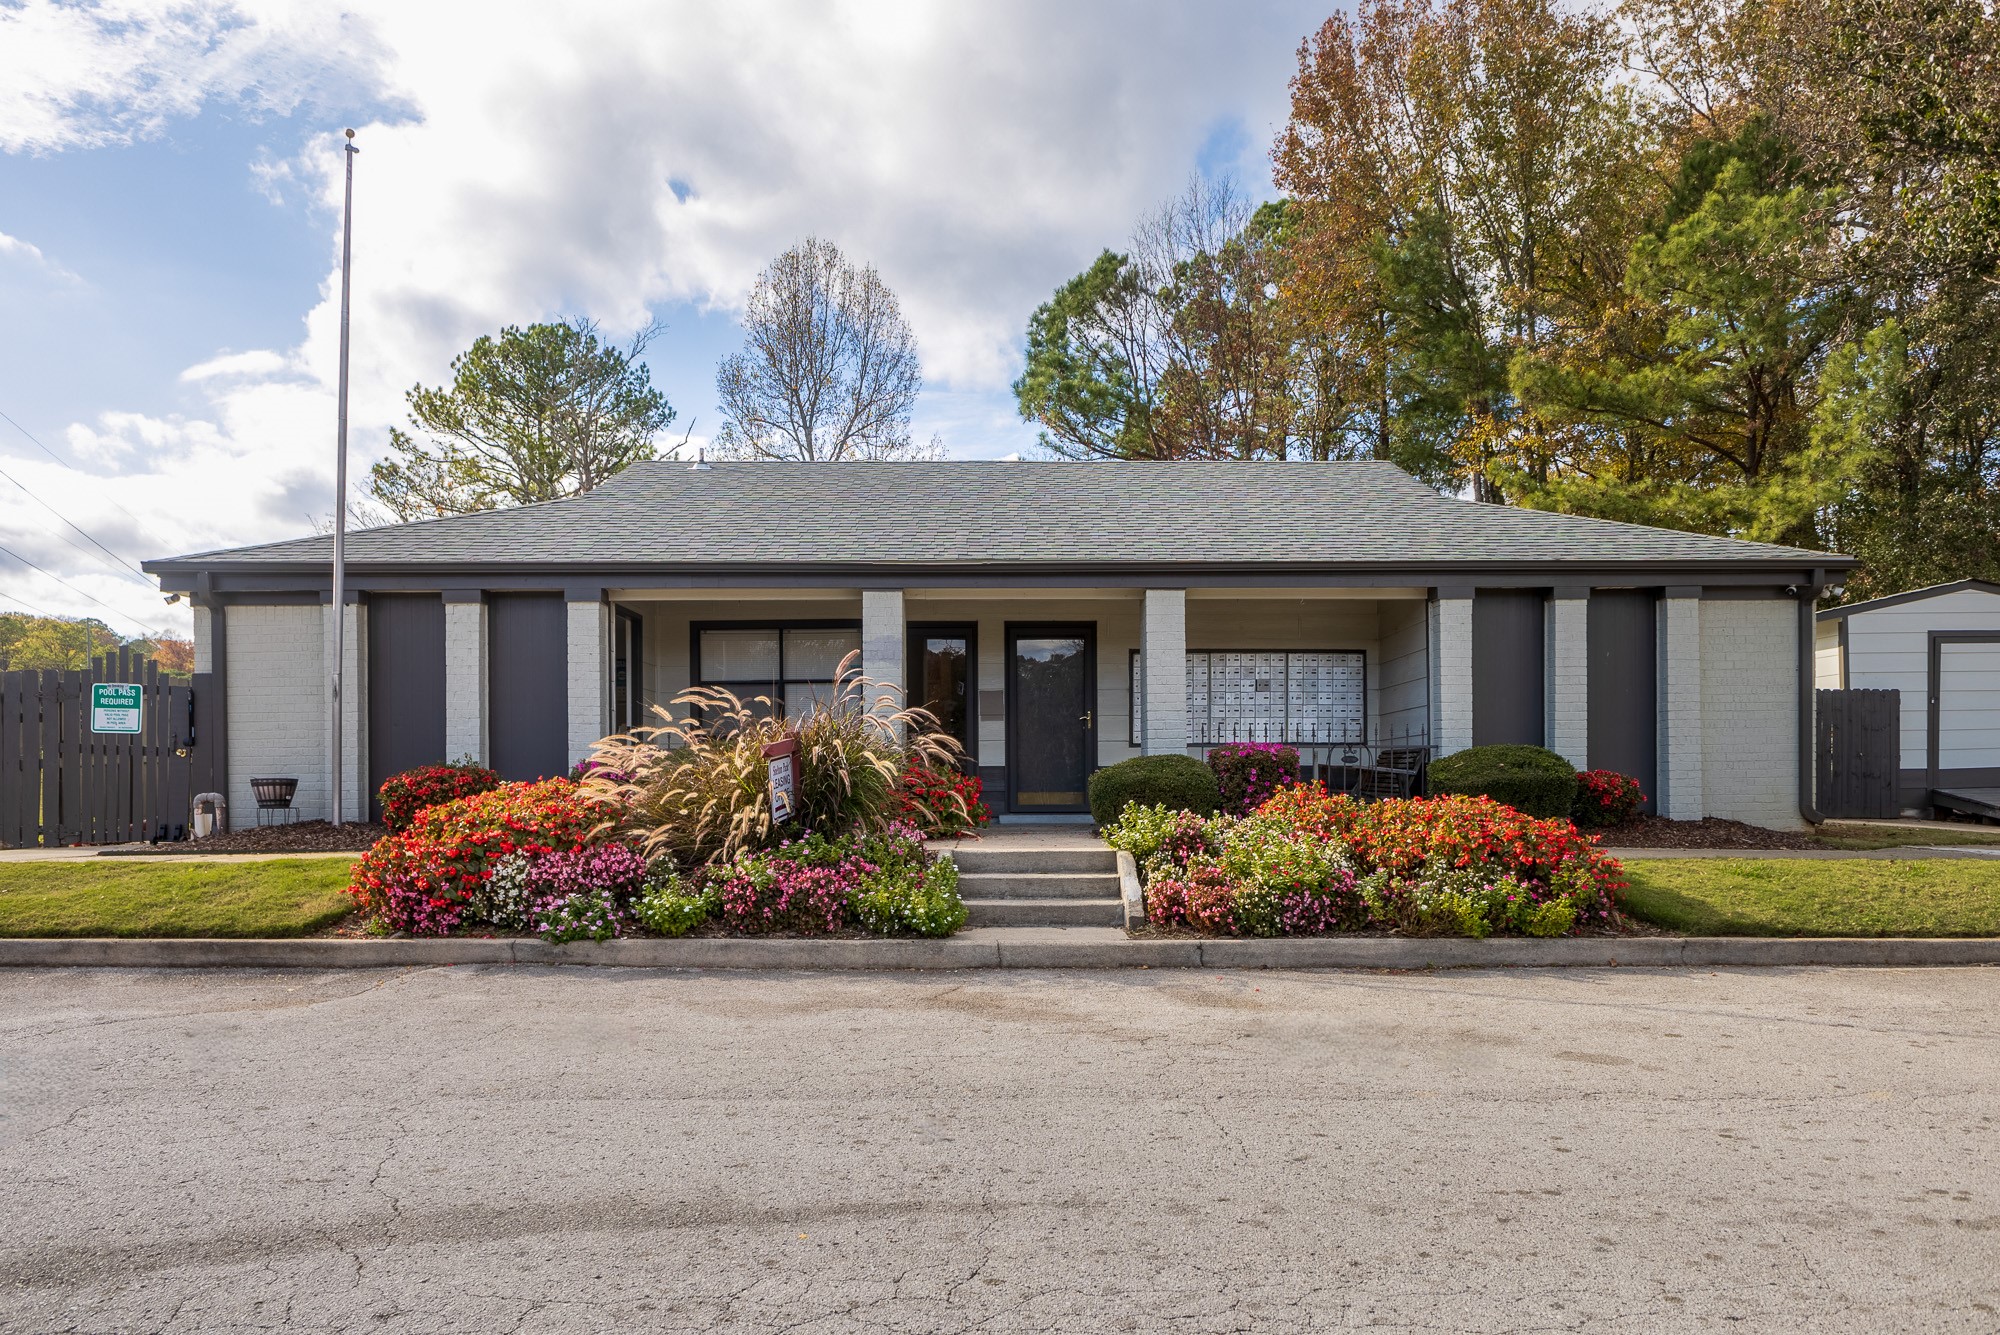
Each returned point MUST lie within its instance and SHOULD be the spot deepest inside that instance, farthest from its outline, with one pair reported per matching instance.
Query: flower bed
(940, 802)
(415, 790)
(534, 858)
(1308, 862)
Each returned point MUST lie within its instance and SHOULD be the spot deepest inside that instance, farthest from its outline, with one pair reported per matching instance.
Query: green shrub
(914, 898)
(672, 904)
(1533, 781)
(1179, 782)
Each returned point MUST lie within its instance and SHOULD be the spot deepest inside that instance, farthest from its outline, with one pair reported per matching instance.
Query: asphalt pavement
(520, 1148)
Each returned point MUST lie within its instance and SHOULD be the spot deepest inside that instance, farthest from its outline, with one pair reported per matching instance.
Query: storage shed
(1940, 647)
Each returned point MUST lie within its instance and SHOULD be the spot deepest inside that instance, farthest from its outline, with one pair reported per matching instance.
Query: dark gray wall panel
(1508, 646)
(527, 685)
(405, 685)
(1624, 685)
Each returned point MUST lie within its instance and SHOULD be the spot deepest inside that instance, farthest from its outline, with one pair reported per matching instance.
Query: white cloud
(15, 249)
(606, 159)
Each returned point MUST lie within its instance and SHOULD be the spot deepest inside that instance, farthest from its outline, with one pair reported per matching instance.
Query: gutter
(1808, 770)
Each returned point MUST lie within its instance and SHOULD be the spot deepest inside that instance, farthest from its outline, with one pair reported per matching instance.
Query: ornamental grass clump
(697, 787)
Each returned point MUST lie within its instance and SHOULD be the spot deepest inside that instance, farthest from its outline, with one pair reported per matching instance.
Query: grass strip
(1752, 896)
(283, 897)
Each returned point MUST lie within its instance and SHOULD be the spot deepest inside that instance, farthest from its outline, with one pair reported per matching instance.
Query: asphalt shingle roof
(1010, 513)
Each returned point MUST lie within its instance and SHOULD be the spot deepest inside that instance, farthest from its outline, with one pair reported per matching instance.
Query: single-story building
(1940, 648)
(1056, 616)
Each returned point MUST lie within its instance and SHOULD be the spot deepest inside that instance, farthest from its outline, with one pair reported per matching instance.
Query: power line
(74, 469)
(78, 592)
(38, 611)
(59, 515)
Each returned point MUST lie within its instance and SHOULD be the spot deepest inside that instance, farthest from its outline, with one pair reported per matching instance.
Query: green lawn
(1751, 896)
(284, 897)
(1844, 834)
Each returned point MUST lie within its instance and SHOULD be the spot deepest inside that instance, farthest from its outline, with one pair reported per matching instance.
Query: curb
(994, 949)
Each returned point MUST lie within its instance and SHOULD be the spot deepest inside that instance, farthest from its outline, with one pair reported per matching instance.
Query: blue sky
(169, 222)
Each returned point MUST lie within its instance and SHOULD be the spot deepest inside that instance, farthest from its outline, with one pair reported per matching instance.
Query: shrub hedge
(1530, 779)
(1178, 782)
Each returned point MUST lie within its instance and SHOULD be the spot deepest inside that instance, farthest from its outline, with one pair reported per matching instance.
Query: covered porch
(1041, 686)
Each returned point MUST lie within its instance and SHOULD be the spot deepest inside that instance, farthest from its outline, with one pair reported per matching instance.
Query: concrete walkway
(142, 853)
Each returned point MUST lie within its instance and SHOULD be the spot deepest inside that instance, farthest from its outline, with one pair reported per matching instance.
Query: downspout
(1808, 771)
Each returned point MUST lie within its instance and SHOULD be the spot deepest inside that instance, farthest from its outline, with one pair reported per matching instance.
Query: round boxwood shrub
(1179, 782)
(1533, 781)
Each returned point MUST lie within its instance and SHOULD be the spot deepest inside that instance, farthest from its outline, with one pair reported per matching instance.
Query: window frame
(777, 626)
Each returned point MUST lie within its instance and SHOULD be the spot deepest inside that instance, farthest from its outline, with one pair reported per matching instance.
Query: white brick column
(1163, 672)
(465, 677)
(204, 638)
(1679, 638)
(589, 677)
(1568, 701)
(883, 647)
(1451, 671)
(353, 741)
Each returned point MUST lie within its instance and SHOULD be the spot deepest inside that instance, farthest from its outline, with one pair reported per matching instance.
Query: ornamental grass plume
(697, 787)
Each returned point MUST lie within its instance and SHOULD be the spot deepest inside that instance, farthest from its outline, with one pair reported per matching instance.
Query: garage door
(405, 685)
(527, 685)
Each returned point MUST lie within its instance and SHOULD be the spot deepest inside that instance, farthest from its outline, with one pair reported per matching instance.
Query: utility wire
(30, 607)
(74, 469)
(78, 592)
(59, 515)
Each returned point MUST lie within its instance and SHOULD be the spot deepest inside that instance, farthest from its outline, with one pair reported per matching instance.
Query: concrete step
(1038, 885)
(1044, 913)
(1087, 859)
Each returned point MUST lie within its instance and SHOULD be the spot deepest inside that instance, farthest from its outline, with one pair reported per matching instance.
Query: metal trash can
(274, 796)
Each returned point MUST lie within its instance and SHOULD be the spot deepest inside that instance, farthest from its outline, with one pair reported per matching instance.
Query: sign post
(783, 760)
(116, 707)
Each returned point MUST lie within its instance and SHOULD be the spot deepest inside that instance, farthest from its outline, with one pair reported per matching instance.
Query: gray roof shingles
(1010, 513)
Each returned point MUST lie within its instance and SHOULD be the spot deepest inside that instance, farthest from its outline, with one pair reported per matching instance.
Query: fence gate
(1860, 752)
(61, 783)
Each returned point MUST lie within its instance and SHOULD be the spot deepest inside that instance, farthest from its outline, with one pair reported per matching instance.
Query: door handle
(1088, 716)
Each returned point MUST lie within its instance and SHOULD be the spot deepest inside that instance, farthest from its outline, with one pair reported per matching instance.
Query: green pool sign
(115, 707)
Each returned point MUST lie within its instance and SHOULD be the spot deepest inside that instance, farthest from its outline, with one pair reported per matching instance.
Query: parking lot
(522, 1149)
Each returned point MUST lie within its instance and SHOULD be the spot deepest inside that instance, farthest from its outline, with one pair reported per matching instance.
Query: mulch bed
(306, 836)
(1709, 832)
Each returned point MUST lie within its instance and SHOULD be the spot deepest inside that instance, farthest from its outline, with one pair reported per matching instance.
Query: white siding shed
(1940, 647)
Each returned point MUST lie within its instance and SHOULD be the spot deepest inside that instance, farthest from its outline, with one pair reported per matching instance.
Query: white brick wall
(204, 639)
(465, 681)
(354, 711)
(1451, 674)
(1749, 703)
(1569, 679)
(589, 679)
(1163, 671)
(883, 647)
(276, 706)
(1680, 696)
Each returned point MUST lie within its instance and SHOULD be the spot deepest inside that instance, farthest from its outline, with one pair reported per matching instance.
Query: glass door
(941, 679)
(1051, 715)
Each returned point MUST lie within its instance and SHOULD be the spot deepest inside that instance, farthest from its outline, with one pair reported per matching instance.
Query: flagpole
(340, 490)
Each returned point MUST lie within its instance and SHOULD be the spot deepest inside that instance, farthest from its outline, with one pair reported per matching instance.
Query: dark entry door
(527, 685)
(1507, 667)
(405, 685)
(1623, 685)
(943, 679)
(1051, 715)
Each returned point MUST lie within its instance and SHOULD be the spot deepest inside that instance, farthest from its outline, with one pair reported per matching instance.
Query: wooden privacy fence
(1860, 752)
(61, 783)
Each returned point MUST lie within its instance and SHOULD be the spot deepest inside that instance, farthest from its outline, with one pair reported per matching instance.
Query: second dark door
(1051, 716)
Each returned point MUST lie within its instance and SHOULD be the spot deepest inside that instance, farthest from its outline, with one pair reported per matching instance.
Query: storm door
(1051, 715)
(942, 679)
